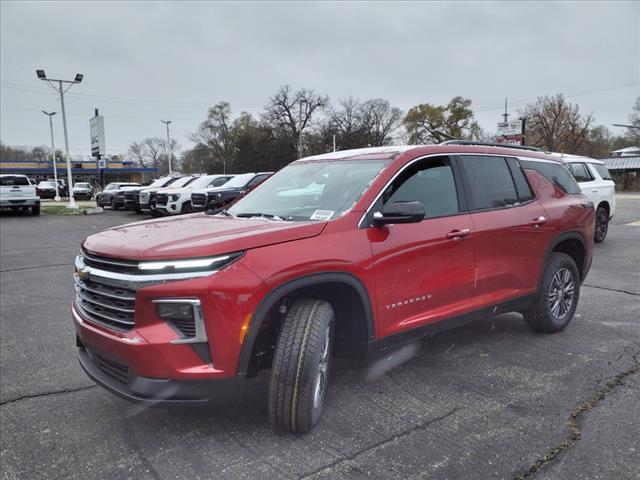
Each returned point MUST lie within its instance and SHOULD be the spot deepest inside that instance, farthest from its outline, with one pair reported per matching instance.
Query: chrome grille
(111, 264)
(113, 307)
(198, 199)
(162, 199)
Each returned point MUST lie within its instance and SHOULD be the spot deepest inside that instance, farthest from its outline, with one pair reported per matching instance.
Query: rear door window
(489, 182)
(580, 172)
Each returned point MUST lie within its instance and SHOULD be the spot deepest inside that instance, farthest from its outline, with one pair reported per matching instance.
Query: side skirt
(380, 347)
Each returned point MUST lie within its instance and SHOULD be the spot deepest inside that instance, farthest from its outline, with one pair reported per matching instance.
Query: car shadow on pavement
(251, 411)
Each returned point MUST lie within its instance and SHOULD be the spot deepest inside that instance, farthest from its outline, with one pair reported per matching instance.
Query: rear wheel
(35, 210)
(300, 369)
(602, 225)
(557, 298)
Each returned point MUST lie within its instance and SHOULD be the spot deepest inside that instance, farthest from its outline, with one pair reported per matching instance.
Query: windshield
(310, 190)
(182, 182)
(161, 182)
(82, 185)
(239, 180)
(47, 185)
(203, 182)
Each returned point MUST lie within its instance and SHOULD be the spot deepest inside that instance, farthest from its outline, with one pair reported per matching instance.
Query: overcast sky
(146, 61)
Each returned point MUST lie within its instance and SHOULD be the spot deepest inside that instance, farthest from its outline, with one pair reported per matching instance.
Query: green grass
(62, 210)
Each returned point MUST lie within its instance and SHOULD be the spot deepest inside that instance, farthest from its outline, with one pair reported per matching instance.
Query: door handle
(594, 191)
(458, 234)
(538, 221)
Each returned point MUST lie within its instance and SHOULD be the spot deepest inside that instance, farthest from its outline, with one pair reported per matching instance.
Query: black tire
(558, 296)
(35, 210)
(113, 204)
(186, 208)
(300, 368)
(602, 225)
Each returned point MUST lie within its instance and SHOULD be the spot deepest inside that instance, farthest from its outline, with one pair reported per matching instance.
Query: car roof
(577, 158)
(394, 151)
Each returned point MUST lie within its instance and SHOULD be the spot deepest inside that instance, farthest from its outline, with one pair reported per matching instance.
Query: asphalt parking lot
(489, 400)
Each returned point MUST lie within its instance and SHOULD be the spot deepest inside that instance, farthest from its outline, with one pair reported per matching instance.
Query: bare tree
(557, 125)
(151, 152)
(294, 111)
(380, 121)
(217, 135)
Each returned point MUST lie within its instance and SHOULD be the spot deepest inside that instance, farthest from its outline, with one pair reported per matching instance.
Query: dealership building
(82, 170)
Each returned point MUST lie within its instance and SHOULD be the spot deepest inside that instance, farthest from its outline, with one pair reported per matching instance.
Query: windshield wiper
(259, 214)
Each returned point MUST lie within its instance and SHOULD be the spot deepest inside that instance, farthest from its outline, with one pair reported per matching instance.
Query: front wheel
(557, 298)
(300, 369)
(186, 208)
(113, 204)
(602, 225)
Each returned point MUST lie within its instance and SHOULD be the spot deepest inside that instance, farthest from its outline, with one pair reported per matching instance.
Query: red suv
(346, 254)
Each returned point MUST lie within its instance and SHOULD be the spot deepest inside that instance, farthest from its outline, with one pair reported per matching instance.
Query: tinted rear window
(11, 180)
(556, 173)
(489, 181)
(580, 172)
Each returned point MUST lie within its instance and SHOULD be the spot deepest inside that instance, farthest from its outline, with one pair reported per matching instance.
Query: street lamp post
(169, 152)
(58, 88)
(53, 153)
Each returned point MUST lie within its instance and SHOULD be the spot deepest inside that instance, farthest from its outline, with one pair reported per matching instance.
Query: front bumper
(160, 392)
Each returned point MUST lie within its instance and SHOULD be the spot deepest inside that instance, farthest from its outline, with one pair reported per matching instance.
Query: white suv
(174, 200)
(598, 186)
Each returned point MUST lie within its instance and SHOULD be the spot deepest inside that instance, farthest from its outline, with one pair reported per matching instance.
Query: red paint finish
(414, 274)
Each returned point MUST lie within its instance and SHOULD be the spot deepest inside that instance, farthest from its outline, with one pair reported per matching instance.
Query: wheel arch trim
(557, 240)
(280, 291)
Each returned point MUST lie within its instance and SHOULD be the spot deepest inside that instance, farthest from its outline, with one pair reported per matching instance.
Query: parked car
(181, 182)
(63, 190)
(597, 185)
(132, 196)
(216, 198)
(147, 197)
(82, 191)
(400, 243)
(47, 189)
(174, 200)
(113, 194)
(17, 193)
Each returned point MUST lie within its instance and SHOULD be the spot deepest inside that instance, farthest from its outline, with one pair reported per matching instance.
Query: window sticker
(322, 215)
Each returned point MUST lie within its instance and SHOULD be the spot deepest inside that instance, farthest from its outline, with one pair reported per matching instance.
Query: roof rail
(489, 144)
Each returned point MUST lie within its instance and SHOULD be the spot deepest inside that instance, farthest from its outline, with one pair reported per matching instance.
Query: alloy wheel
(561, 293)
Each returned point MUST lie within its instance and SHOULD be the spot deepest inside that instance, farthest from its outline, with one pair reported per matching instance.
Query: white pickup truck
(17, 193)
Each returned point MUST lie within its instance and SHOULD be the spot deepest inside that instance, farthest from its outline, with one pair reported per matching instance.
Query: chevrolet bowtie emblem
(82, 274)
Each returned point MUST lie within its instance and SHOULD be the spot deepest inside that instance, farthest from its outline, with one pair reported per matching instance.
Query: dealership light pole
(53, 153)
(58, 88)
(167, 122)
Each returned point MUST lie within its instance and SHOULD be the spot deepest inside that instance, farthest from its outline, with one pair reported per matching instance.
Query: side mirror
(399, 212)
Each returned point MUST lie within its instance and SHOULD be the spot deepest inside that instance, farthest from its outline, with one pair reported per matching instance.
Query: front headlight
(192, 265)
(174, 197)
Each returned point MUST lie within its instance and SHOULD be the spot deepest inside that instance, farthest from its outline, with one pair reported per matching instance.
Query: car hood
(197, 235)
(174, 190)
